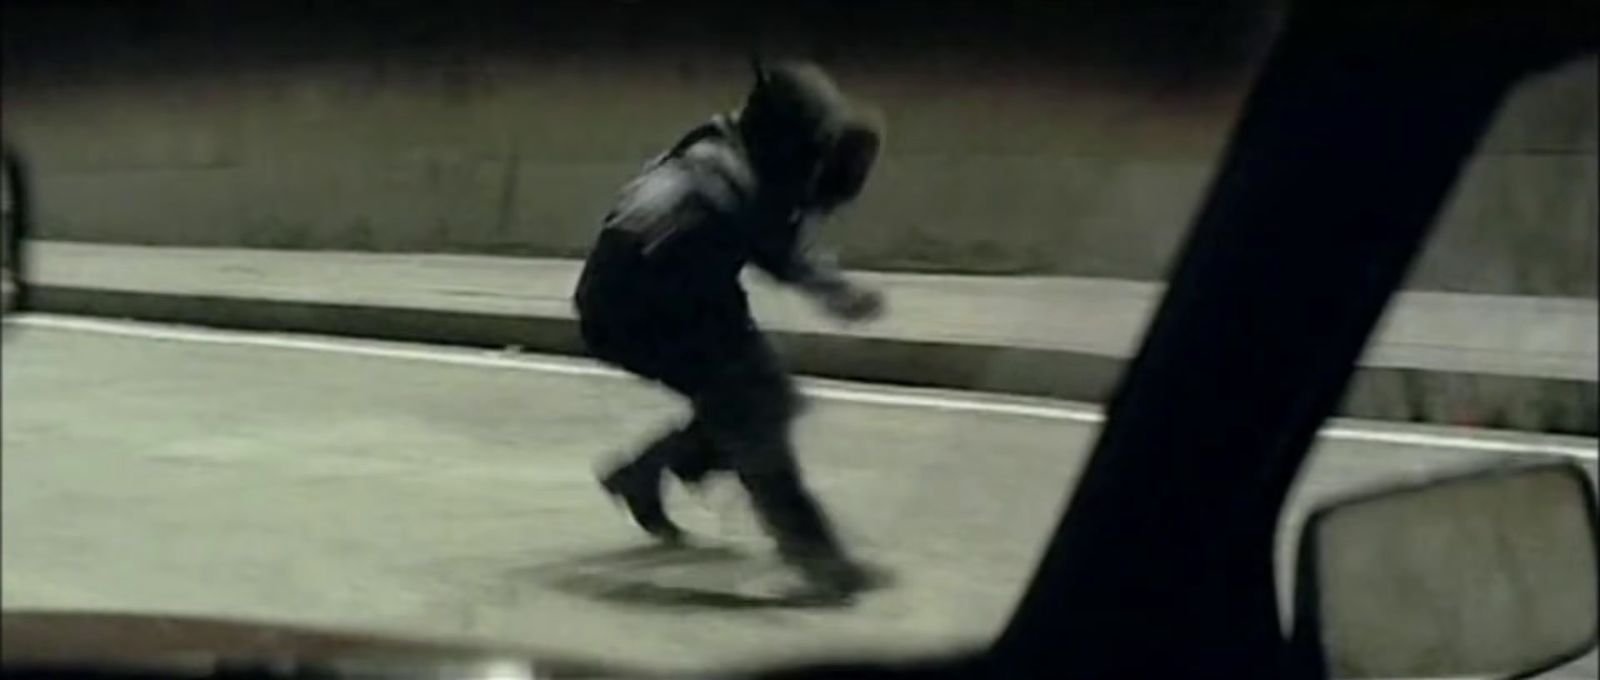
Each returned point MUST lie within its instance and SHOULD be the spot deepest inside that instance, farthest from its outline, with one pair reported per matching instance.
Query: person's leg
(686, 363)
(748, 412)
(686, 450)
(635, 481)
(693, 455)
(791, 515)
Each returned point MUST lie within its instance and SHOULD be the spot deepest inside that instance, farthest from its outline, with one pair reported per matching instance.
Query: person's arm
(790, 256)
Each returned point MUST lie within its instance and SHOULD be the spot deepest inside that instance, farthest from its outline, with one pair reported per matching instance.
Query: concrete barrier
(1489, 361)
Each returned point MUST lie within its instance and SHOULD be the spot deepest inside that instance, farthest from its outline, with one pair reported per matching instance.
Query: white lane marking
(1080, 415)
(859, 396)
(1457, 442)
(246, 339)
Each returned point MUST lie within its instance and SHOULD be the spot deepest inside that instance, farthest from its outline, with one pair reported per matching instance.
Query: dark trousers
(744, 405)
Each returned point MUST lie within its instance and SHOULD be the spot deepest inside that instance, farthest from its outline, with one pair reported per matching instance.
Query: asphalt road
(433, 491)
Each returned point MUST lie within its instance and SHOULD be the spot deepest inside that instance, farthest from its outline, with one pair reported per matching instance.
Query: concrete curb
(1397, 394)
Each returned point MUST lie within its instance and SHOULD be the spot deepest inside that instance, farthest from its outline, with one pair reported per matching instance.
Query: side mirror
(1486, 574)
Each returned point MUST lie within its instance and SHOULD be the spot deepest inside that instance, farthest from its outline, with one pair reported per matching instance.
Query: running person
(660, 297)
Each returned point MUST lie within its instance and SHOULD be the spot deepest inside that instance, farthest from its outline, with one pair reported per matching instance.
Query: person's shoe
(639, 488)
(835, 580)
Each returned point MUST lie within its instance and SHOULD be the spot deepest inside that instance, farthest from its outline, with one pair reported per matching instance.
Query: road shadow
(686, 576)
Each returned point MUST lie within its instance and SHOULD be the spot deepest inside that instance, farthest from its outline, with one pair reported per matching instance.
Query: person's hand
(854, 303)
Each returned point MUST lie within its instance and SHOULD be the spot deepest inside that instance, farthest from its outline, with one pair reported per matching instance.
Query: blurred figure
(16, 222)
(660, 297)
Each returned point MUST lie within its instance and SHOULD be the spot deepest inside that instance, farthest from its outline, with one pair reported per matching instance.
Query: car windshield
(678, 336)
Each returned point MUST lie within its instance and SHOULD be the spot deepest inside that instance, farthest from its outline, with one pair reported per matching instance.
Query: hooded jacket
(671, 250)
